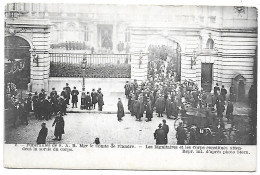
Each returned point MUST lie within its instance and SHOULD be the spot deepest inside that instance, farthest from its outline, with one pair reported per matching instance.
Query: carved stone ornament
(12, 30)
(239, 10)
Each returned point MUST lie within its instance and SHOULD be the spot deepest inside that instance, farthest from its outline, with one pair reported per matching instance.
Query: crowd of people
(45, 106)
(166, 95)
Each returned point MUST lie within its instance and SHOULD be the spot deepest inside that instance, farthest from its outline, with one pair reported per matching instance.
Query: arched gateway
(164, 53)
(17, 61)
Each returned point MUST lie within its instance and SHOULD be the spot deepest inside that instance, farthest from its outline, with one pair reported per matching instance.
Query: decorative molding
(13, 30)
(240, 10)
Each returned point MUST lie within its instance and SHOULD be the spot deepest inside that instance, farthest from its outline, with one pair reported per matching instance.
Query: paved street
(85, 127)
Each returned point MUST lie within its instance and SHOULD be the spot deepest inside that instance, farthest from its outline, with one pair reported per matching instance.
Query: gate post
(139, 66)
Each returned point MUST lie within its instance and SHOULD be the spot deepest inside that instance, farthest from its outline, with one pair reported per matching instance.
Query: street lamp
(84, 61)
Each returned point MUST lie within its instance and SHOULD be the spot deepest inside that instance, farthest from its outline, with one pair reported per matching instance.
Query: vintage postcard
(130, 86)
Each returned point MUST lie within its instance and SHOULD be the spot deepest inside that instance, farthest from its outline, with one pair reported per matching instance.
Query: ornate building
(212, 44)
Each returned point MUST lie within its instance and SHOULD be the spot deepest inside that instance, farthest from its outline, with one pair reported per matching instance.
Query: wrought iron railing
(96, 66)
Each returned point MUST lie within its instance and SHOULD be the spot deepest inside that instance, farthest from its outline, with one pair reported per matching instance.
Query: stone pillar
(139, 66)
(40, 73)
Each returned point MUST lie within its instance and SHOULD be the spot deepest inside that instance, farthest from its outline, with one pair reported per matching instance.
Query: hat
(164, 121)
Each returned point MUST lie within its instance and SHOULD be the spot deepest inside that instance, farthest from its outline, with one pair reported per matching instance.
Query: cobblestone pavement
(85, 127)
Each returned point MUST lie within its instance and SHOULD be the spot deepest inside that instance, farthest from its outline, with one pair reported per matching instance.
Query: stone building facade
(215, 44)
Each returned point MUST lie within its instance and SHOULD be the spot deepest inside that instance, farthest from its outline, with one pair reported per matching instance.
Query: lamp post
(84, 61)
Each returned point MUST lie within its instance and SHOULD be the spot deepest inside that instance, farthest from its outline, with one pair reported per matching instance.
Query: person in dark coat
(29, 102)
(132, 102)
(120, 110)
(223, 92)
(168, 107)
(135, 85)
(83, 99)
(64, 94)
(160, 106)
(100, 100)
(63, 106)
(88, 101)
(94, 98)
(42, 95)
(41, 139)
(68, 92)
(175, 109)
(74, 94)
(137, 109)
(22, 112)
(47, 108)
(229, 111)
(149, 110)
(216, 89)
(193, 136)
(165, 127)
(53, 94)
(181, 135)
(252, 96)
(59, 127)
(127, 89)
(159, 136)
(232, 93)
(36, 104)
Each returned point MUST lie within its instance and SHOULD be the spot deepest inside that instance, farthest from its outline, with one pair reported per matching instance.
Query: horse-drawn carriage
(204, 123)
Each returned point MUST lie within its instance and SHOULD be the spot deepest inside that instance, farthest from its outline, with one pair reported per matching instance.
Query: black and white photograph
(130, 74)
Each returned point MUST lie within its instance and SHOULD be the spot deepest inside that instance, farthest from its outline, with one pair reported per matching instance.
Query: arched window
(210, 44)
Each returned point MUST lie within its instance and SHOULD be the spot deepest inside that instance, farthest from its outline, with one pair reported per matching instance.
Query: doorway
(241, 91)
(206, 76)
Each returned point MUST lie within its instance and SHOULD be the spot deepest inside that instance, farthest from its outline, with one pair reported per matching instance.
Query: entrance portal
(241, 91)
(105, 36)
(206, 76)
(17, 49)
